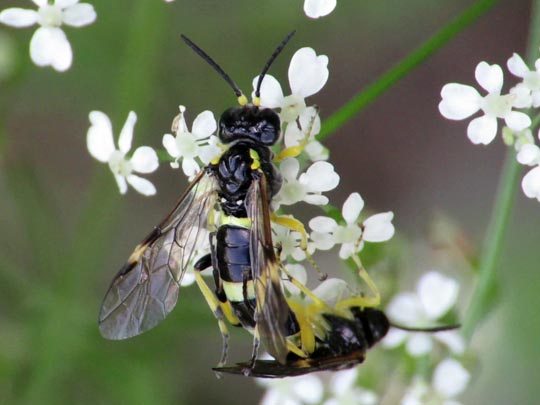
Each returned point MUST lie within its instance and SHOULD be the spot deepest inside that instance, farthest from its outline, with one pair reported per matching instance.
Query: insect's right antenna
(429, 329)
(273, 57)
(241, 98)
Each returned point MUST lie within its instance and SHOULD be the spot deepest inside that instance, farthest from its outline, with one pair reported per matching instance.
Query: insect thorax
(236, 170)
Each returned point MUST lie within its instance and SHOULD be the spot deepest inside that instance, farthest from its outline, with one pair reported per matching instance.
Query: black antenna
(271, 60)
(212, 63)
(428, 329)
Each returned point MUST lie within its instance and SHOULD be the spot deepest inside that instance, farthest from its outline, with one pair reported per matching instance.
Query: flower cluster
(435, 296)
(338, 388)
(49, 45)
(462, 101)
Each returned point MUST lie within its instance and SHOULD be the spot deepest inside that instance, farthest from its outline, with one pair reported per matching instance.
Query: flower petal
(453, 340)
(517, 120)
(459, 101)
(126, 135)
(309, 389)
(320, 176)
(271, 93)
(437, 293)
(394, 338)
(65, 3)
(40, 3)
(490, 77)
(18, 17)
(204, 125)
(319, 8)
(144, 160)
(316, 199)
(141, 185)
(528, 154)
(323, 241)
(482, 130)
(352, 207)
(378, 227)
(49, 46)
(121, 181)
(308, 72)
(517, 66)
(169, 143)
(531, 183)
(450, 378)
(289, 168)
(419, 344)
(99, 139)
(190, 167)
(298, 272)
(323, 224)
(332, 290)
(405, 308)
(79, 15)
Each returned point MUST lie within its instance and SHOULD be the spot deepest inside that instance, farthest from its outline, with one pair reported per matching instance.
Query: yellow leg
(362, 301)
(297, 226)
(220, 311)
(294, 151)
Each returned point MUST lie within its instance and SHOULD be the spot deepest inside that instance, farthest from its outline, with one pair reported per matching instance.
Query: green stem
(366, 96)
(498, 225)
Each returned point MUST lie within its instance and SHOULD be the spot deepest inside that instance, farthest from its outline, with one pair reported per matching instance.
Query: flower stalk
(500, 217)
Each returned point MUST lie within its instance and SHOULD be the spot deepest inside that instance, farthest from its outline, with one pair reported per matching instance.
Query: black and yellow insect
(330, 338)
(239, 185)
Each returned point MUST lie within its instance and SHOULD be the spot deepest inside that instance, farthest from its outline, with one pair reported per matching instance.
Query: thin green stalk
(80, 262)
(366, 96)
(498, 225)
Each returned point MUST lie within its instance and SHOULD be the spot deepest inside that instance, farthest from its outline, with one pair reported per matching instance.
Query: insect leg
(220, 310)
(362, 301)
(295, 225)
(294, 151)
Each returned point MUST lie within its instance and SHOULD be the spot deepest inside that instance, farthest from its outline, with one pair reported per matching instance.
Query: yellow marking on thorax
(256, 159)
(235, 291)
(232, 220)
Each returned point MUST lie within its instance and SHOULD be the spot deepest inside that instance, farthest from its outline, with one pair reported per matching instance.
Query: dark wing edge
(145, 290)
(274, 369)
(272, 310)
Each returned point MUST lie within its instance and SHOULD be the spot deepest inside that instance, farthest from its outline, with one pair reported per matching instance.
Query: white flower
(327, 232)
(298, 272)
(345, 391)
(308, 74)
(531, 183)
(319, 8)
(199, 144)
(100, 143)
(318, 178)
(528, 91)
(460, 101)
(306, 389)
(529, 155)
(289, 242)
(450, 379)
(294, 134)
(49, 45)
(435, 295)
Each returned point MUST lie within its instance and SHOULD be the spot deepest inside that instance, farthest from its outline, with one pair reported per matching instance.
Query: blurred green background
(65, 230)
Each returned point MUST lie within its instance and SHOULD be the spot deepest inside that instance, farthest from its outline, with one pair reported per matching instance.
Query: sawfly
(230, 198)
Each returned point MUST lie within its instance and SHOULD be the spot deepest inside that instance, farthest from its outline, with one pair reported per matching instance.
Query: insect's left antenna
(241, 98)
(271, 60)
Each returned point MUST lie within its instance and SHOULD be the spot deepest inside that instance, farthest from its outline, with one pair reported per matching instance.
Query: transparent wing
(145, 290)
(272, 310)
